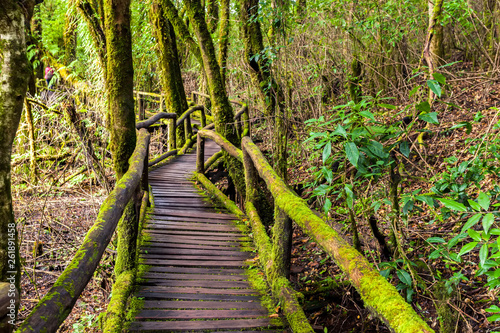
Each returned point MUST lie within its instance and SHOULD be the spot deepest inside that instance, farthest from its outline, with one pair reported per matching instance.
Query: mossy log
(223, 143)
(377, 293)
(56, 305)
(214, 158)
(188, 112)
(150, 121)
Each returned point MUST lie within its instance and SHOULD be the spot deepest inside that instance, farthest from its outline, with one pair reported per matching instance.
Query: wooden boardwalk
(196, 281)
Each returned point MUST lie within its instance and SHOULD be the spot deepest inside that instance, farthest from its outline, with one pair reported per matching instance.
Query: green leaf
(466, 124)
(327, 205)
(349, 195)
(472, 221)
(483, 254)
(435, 87)
(404, 277)
(474, 235)
(436, 240)
(427, 199)
(340, 131)
(414, 90)
(425, 107)
(387, 106)
(327, 151)
(494, 318)
(453, 205)
(367, 114)
(488, 220)
(352, 153)
(429, 117)
(484, 200)
(467, 248)
(474, 205)
(439, 78)
(404, 148)
(493, 308)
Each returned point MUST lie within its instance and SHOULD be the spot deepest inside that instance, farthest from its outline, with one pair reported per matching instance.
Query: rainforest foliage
(382, 115)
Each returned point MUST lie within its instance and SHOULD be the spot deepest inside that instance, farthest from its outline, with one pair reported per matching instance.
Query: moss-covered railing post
(145, 173)
(172, 139)
(188, 129)
(203, 117)
(200, 154)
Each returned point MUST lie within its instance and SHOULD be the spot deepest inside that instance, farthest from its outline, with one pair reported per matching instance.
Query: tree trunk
(220, 102)
(171, 77)
(212, 9)
(14, 75)
(121, 116)
(91, 17)
(69, 34)
(223, 37)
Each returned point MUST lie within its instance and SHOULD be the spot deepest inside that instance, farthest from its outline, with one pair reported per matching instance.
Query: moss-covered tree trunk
(223, 112)
(223, 36)
(92, 16)
(69, 34)
(14, 75)
(212, 10)
(259, 66)
(121, 116)
(171, 78)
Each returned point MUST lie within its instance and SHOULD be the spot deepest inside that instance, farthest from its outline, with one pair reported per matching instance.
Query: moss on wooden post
(115, 313)
(200, 154)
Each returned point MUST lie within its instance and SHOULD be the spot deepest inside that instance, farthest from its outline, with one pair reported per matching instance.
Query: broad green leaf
(474, 205)
(494, 318)
(488, 220)
(377, 149)
(493, 308)
(349, 195)
(352, 153)
(439, 78)
(484, 200)
(454, 241)
(425, 107)
(435, 87)
(404, 277)
(465, 124)
(414, 90)
(429, 117)
(404, 148)
(495, 231)
(474, 235)
(453, 205)
(327, 151)
(367, 114)
(427, 199)
(467, 248)
(387, 106)
(483, 254)
(436, 240)
(471, 222)
(327, 205)
(340, 131)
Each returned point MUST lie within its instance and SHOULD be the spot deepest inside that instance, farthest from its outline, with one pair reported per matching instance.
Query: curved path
(195, 279)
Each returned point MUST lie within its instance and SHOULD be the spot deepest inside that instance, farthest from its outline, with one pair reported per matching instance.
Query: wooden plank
(202, 263)
(200, 305)
(187, 213)
(193, 235)
(168, 326)
(192, 246)
(191, 219)
(203, 297)
(173, 276)
(236, 253)
(227, 235)
(196, 283)
(199, 314)
(190, 257)
(189, 226)
(194, 270)
(190, 290)
(158, 238)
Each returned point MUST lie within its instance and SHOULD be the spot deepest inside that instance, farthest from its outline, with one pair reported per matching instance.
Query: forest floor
(53, 223)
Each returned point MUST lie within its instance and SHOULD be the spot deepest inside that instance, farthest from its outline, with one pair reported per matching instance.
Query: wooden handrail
(148, 94)
(56, 305)
(377, 293)
(150, 121)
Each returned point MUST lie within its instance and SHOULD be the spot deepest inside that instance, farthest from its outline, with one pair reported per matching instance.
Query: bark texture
(14, 75)
(171, 77)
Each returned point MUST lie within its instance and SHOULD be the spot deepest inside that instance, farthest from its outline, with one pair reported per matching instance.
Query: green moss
(259, 283)
(115, 313)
